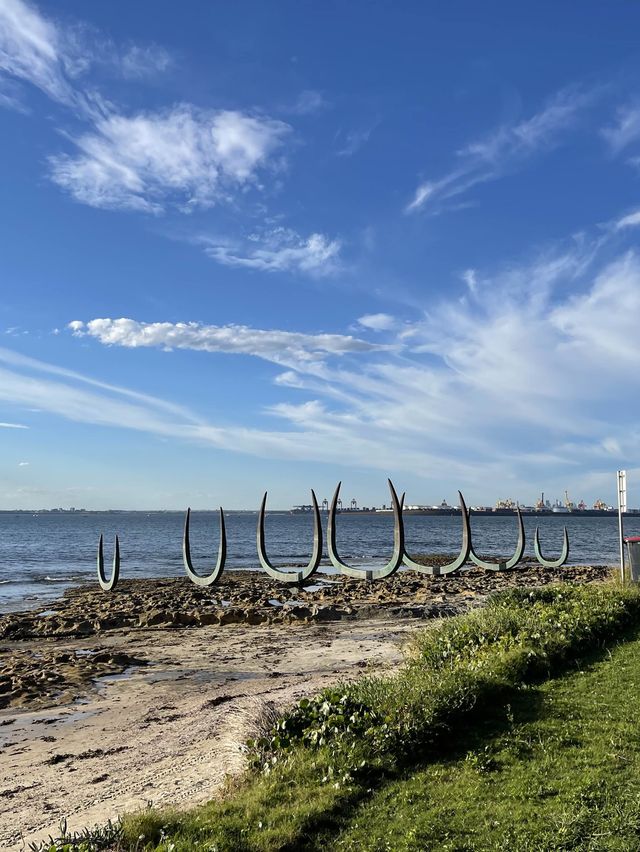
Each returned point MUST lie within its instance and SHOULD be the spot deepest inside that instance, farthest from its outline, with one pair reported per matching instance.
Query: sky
(249, 247)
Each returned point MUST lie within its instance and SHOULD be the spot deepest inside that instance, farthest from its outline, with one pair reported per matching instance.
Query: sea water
(43, 553)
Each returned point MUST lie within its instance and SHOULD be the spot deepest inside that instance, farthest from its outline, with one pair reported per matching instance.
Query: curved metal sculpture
(552, 563)
(110, 584)
(211, 578)
(465, 549)
(398, 541)
(316, 555)
(504, 564)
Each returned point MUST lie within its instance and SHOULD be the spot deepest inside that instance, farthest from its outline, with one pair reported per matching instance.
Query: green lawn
(559, 768)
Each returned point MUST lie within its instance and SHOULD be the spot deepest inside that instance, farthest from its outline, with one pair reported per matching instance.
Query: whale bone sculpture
(398, 541)
(291, 576)
(399, 556)
(211, 578)
(462, 557)
(504, 564)
(110, 584)
(552, 563)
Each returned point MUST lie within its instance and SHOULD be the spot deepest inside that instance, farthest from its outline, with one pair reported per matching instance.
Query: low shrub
(379, 723)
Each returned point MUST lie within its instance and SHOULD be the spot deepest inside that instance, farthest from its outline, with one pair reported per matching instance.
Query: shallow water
(43, 554)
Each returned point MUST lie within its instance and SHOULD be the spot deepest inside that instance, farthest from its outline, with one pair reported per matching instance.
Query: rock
(110, 622)
(154, 617)
(185, 619)
(232, 616)
(298, 611)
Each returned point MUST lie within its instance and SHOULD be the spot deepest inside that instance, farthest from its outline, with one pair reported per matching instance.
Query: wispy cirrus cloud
(630, 220)
(522, 357)
(532, 355)
(504, 149)
(13, 426)
(377, 322)
(140, 61)
(350, 142)
(181, 156)
(31, 49)
(625, 130)
(308, 102)
(279, 250)
(83, 399)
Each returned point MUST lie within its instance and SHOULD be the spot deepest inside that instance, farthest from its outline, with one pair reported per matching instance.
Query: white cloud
(626, 129)
(601, 324)
(139, 61)
(631, 220)
(352, 141)
(302, 351)
(309, 101)
(186, 156)
(35, 49)
(280, 250)
(538, 358)
(181, 156)
(121, 408)
(12, 426)
(422, 194)
(377, 322)
(30, 50)
(11, 96)
(500, 151)
(23, 464)
(33, 365)
(471, 280)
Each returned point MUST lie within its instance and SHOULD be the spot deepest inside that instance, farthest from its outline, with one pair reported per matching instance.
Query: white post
(622, 507)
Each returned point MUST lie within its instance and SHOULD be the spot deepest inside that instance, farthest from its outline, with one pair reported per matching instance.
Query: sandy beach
(111, 701)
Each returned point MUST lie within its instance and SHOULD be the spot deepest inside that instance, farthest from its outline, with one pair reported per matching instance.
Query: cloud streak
(279, 250)
(529, 357)
(625, 130)
(504, 149)
(31, 50)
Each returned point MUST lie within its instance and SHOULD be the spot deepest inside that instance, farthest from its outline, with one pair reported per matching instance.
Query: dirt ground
(168, 732)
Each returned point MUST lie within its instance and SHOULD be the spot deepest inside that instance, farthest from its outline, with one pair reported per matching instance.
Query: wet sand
(110, 701)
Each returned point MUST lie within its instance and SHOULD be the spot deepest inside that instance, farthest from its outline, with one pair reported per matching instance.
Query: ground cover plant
(349, 768)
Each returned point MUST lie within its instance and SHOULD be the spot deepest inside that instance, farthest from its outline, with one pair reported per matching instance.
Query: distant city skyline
(252, 247)
(346, 502)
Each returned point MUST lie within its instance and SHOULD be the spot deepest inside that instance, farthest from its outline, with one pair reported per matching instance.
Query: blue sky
(249, 246)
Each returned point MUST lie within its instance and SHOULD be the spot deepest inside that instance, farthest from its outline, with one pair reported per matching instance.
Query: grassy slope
(557, 769)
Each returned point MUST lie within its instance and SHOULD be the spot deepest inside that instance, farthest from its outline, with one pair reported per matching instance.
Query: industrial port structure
(502, 507)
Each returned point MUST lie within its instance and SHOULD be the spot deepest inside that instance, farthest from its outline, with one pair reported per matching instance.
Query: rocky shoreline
(43, 673)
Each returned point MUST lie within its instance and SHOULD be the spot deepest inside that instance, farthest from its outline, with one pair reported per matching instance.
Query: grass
(471, 746)
(558, 768)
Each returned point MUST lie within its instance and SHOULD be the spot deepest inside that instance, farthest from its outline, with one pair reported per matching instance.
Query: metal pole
(622, 507)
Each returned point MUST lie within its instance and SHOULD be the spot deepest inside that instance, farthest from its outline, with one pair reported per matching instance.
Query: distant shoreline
(440, 513)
